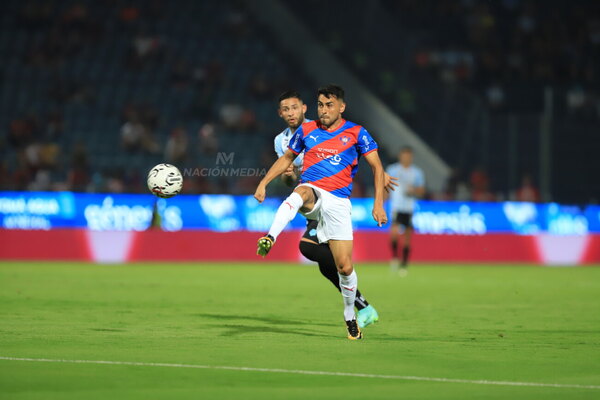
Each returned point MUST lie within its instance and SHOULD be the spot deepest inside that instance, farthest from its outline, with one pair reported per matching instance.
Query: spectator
(176, 148)
(23, 174)
(4, 175)
(231, 115)
(209, 144)
(527, 191)
(78, 177)
(143, 49)
(20, 133)
(480, 185)
(55, 125)
(136, 134)
(132, 134)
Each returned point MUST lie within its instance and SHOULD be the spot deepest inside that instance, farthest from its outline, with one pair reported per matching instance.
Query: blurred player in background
(411, 185)
(332, 147)
(292, 110)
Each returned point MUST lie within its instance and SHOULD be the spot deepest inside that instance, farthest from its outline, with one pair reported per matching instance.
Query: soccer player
(411, 186)
(292, 110)
(331, 148)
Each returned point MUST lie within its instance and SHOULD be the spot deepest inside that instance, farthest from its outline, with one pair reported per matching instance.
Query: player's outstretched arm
(378, 173)
(278, 168)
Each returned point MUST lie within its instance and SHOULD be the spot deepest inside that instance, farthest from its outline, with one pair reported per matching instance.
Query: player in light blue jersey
(411, 185)
(291, 110)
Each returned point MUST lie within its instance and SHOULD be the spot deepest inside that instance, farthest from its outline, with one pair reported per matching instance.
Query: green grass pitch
(501, 323)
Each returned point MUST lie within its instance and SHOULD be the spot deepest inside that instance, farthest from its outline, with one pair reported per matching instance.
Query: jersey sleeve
(278, 148)
(297, 141)
(419, 178)
(366, 143)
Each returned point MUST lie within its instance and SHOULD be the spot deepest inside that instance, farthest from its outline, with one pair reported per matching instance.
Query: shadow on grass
(268, 325)
(236, 330)
(263, 319)
(107, 330)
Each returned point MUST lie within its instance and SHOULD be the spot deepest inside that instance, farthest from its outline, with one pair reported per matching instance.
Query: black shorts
(311, 230)
(404, 219)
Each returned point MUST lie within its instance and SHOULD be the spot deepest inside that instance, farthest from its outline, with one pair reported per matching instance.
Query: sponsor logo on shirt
(330, 155)
(366, 140)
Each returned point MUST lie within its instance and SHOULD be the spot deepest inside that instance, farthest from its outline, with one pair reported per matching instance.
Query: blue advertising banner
(224, 213)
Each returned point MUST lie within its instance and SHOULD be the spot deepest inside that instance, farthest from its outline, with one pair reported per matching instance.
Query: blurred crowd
(45, 156)
(477, 187)
(504, 49)
(498, 49)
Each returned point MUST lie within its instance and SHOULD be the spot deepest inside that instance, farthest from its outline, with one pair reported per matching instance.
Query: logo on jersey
(366, 140)
(335, 160)
(330, 155)
(293, 145)
(314, 137)
(344, 139)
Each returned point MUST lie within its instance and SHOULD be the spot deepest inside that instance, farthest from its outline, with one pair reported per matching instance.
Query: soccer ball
(165, 180)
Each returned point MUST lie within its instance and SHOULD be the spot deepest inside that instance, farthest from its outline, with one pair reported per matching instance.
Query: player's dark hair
(406, 149)
(289, 94)
(331, 90)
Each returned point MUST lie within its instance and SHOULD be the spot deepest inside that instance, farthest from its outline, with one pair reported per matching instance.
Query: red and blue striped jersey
(331, 157)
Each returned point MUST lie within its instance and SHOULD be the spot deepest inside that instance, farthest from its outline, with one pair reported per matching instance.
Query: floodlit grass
(501, 323)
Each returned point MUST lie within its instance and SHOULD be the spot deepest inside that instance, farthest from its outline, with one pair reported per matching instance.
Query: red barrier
(592, 252)
(209, 246)
(83, 245)
(374, 246)
(57, 244)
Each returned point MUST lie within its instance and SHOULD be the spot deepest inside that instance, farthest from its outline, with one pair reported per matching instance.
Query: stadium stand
(465, 74)
(95, 93)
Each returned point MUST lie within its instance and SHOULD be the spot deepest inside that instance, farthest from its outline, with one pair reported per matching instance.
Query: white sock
(348, 284)
(286, 212)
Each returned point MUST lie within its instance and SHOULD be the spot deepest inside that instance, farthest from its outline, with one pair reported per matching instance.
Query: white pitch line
(304, 372)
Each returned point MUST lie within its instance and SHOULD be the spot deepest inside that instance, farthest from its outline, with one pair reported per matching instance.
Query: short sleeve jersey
(281, 145)
(331, 157)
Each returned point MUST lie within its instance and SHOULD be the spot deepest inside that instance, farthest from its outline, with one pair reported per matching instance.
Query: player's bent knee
(309, 250)
(345, 268)
(305, 192)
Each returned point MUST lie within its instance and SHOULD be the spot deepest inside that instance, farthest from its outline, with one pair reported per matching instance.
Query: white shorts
(334, 215)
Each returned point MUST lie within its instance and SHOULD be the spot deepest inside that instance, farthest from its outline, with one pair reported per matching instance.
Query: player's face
(292, 111)
(330, 110)
(405, 157)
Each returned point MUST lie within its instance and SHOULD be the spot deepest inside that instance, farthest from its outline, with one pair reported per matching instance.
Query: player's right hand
(260, 193)
(289, 171)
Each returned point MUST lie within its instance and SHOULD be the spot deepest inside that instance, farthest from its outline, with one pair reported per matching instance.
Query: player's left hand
(379, 215)
(389, 182)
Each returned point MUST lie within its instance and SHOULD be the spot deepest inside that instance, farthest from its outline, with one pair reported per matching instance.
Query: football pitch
(252, 331)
